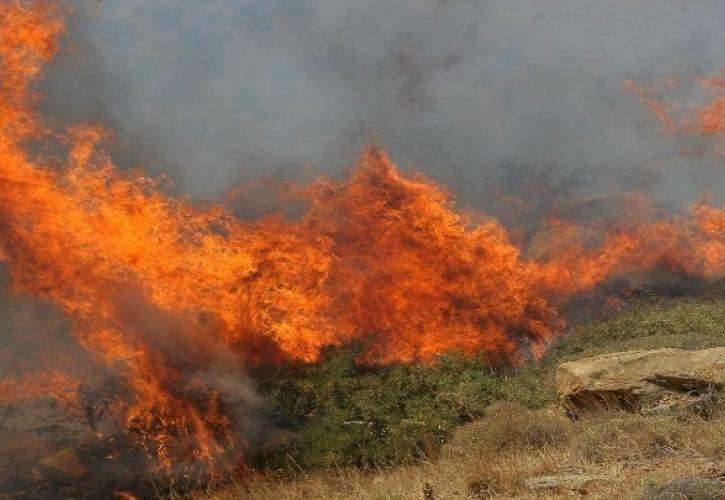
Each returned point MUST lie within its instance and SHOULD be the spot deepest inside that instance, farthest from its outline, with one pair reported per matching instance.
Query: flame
(707, 120)
(163, 291)
(712, 118)
(691, 246)
(659, 109)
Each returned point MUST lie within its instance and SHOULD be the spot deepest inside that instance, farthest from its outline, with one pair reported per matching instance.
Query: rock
(563, 481)
(37, 475)
(694, 488)
(64, 467)
(124, 495)
(622, 379)
(19, 452)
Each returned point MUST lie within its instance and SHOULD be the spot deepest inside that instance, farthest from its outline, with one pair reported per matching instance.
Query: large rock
(623, 379)
(19, 452)
(64, 467)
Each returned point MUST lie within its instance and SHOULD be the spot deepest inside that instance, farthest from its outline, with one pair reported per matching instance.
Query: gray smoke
(203, 362)
(475, 93)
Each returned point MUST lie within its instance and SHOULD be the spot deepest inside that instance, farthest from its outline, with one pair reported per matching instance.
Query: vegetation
(336, 413)
(457, 429)
(629, 454)
(341, 414)
(690, 319)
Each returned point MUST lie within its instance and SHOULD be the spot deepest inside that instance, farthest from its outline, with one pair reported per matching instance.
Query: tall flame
(163, 291)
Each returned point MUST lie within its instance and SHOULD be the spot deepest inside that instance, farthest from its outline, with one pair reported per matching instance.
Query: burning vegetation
(176, 300)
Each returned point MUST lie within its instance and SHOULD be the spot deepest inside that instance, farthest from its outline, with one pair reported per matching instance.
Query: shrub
(690, 321)
(344, 414)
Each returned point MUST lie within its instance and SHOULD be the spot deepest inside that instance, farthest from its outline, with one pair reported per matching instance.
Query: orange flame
(712, 117)
(656, 107)
(161, 289)
(708, 120)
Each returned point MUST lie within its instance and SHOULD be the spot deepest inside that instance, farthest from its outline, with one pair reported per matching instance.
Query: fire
(411, 275)
(694, 247)
(712, 117)
(655, 106)
(176, 298)
(707, 120)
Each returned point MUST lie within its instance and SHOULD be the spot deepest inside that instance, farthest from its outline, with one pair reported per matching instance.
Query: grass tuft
(509, 426)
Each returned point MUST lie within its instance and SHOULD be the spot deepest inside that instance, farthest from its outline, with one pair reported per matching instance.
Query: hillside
(457, 430)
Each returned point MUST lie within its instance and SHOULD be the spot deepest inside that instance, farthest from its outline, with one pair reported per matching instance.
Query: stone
(19, 452)
(37, 475)
(622, 379)
(64, 467)
(563, 481)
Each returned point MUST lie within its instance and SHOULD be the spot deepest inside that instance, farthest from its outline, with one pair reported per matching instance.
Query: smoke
(23, 355)
(476, 94)
(203, 363)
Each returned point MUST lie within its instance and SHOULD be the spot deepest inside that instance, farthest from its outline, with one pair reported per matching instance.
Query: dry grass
(490, 458)
(509, 426)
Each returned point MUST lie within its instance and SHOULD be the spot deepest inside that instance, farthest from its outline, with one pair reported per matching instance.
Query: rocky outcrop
(64, 467)
(19, 452)
(625, 379)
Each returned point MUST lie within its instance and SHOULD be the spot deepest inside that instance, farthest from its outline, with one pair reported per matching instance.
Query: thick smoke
(21, 354)
(488, 97)
(204, 364)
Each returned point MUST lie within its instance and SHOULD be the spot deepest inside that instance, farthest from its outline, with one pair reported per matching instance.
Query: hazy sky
(470, 92)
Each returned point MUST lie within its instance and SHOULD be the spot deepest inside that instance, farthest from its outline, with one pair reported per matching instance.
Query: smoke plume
(483, 96)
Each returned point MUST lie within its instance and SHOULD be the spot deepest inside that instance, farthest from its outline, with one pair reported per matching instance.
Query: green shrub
(692, 321)
(343, 414)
